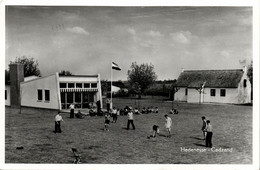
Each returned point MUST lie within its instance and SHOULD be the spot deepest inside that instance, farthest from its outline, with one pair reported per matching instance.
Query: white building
(57, 92)
(220, 86)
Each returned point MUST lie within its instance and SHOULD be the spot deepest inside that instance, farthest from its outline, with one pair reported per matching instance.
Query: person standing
(168, 124)
(209, 134)
(204, 125)
(130, 116)
(155, 130)
(114, 114)
(72, 110)
(58, 119)
(108, 105)
(107, 121)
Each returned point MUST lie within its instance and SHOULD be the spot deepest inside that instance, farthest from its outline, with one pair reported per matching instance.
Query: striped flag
(115, 66)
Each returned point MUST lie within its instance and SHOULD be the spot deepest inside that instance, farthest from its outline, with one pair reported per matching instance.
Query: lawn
(33, 130)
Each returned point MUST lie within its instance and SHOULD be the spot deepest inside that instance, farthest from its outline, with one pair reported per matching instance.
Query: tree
(7, 75)
(250, 76)
(31, 66)
(250, 73)
(200, 89)
(65, 73)
(140, 77)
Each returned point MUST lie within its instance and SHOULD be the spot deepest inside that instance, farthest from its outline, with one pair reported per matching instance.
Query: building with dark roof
(214, 86)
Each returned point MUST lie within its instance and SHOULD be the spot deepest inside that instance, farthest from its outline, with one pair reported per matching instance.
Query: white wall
(7, 101)
(231, 96)
(82, 79)
(180, 95)
(194, 96)
(29, 92)
(115, 89)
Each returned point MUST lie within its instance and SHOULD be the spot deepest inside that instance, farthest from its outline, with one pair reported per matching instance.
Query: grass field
(33, 130)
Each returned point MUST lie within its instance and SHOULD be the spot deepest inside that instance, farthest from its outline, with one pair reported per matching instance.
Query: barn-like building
(217, 86)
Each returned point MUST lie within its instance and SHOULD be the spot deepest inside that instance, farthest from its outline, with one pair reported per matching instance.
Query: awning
(78, 90)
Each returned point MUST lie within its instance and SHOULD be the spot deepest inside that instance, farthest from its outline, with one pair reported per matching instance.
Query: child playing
(114, 115)
(168, 124)
(156, 110)
(155, 131)
(136, 111)
(107, 121)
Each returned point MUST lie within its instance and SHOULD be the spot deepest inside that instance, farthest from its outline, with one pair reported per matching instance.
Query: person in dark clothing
(204, 125)
(108, 105)
(155, 130)
(98, 107)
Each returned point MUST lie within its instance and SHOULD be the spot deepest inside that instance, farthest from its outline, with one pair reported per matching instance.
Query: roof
(213, 78)
(118, 84)
(78, 75)
(30, 78)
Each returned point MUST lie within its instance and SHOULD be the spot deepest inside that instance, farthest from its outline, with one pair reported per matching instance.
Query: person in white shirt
(130, 116)
(114, 115)
(209, 134)
(204, 125)
(58, 119)
(168, 124)
(72, 110)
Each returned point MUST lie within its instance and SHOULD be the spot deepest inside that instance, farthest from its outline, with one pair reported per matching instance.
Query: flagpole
(111, 86)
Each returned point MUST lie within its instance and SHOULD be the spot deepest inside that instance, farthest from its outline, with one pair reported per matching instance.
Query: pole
(111, 87)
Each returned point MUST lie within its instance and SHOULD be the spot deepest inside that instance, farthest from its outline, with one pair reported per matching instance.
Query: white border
(252, 3)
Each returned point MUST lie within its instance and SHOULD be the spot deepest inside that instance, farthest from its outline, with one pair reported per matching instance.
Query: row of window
(222, 92)
(46, 95)
(212, 92)
(78, 85)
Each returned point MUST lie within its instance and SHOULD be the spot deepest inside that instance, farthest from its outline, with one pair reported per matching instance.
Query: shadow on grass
(162, 135)
(196, 138)
(198, 144)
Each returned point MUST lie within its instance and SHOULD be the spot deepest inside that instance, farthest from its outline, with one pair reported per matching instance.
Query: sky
(85, 39)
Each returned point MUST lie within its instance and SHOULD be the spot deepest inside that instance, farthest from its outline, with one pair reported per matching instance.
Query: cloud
(78, 30)
(131, 31)
(154, 34)
(225, 54)
(182, 37)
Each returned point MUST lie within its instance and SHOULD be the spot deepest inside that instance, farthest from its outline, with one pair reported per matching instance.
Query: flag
(115, 66)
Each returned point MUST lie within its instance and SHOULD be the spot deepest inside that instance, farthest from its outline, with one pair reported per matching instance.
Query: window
(186, 91)
(93, 85)
(223, 92)
(78, 85)
(63, 85)
(5, 94)
(86, 85)
(47, 95)
(78, 97)
(39, 94)
(212, 92)
(245, 82)
(71, 85)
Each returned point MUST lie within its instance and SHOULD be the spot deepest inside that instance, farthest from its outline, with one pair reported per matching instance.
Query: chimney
(16, 77)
